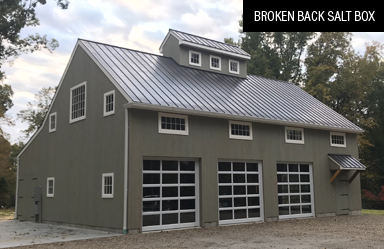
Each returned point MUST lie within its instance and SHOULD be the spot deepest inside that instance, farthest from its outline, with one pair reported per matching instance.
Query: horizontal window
(338, 139)
(294, 135)
(240, 130)
(173, 124)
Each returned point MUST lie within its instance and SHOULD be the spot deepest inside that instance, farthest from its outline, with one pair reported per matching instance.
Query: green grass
(372, 211)
(7, 214)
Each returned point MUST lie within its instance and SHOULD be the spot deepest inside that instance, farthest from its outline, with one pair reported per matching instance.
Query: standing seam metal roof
(158, 80)
(347, 161)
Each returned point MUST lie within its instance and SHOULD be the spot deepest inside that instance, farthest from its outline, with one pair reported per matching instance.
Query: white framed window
(173, 124)
(52, 122)
(234, 67)
(338, 139)
(77, 108)
(214, 62)
(107, 185)
(109, 103)
(240, 130)
(50, 186)
(294, 135)
(194, 58)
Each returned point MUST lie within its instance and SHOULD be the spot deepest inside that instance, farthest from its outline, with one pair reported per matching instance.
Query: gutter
(17, 188)
(125, 172)
(139, 105)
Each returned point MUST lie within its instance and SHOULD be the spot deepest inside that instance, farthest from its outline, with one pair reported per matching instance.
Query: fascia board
(146, 106)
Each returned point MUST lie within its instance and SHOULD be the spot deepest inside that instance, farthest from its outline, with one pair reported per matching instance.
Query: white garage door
(170, 194)
(295, 190)
(240, 193)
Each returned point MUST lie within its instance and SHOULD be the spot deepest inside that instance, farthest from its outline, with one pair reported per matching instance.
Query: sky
(135, 24)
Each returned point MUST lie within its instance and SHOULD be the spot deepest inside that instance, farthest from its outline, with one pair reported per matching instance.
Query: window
(173, 124)
(50, 186)
(338, 139)
(195, 58)
(107, 185)
(294, 135)
(52, 122)
(234, 67)
(215, 62)
(109, 103)
(240, 130)
(78, 102)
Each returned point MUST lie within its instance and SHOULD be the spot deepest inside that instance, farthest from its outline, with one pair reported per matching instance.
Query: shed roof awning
(346, 162)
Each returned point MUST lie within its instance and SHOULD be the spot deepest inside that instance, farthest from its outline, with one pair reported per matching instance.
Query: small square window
(52, 122)
(50, 186)
(294, 135)
(338, 139)
(234, 67)
(173, 124)
(215, 62)
(194, 58)
(109, 103)
(107, 185)
(240, 130)
(78, 102)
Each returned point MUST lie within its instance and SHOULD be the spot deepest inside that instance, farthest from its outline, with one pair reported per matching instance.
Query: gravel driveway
(361, 231)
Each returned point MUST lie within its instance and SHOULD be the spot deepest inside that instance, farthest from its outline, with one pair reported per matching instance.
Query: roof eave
(139, 105)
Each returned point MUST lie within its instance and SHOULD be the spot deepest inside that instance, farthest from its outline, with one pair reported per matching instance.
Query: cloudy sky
(135, 24)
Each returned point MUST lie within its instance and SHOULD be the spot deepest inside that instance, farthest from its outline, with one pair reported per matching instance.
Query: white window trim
(176, 132)
(250, 137)
(114, 101)
(289, 141)
(49, 123)
(337, 134)
(53, 192)
(190, 56)
(103, 195)
(238, 67)
(70, 103)
(210, 62)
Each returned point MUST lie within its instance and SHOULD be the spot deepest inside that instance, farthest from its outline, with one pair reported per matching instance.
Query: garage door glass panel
(295, 195)
(239, 195)
(169, 194)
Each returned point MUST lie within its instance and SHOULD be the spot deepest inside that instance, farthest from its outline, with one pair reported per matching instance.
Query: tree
(7, 176)
(16, 15)
(6, 103)
(35, 113)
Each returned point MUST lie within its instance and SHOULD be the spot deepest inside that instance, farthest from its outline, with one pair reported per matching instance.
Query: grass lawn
(7, 214)
(372, 211)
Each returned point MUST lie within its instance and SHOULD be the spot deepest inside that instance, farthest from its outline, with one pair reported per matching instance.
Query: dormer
(205, 54)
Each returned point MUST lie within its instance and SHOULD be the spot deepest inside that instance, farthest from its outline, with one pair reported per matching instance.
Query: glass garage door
(240, 198)
(170, 194)
(295, 190)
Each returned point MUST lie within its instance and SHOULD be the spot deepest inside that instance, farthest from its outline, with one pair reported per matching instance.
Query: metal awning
(340, 162)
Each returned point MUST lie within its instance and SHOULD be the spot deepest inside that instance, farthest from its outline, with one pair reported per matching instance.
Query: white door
(170, 194)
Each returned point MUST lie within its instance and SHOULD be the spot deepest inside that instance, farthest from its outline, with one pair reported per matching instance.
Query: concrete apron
(15, 233)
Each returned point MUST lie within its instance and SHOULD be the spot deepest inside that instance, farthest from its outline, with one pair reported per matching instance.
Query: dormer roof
(204, 43)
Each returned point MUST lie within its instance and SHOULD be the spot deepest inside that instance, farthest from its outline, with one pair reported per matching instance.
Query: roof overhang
(139, 105)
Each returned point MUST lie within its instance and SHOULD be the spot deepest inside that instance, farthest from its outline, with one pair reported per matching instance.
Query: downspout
(17, 188)
(125, 172)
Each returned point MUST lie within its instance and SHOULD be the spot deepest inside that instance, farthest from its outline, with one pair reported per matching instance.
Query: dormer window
(215, 62)
(194, 58)
(234, 67)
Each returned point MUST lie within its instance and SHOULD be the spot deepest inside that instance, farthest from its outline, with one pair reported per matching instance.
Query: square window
(234, 67)
(78, 102)
(107, 185)
(50, 186)
(173, 124)
(109, 103)
(215, 62)
(52, 122)
(294, 135)
(240, 130)
(194, 58)
(338, 139)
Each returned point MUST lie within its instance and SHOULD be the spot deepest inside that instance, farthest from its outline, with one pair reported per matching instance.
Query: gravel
(360, 231)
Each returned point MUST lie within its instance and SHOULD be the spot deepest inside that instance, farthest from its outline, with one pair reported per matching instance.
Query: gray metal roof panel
(346, 161)
(208, 42)
(158, 80)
